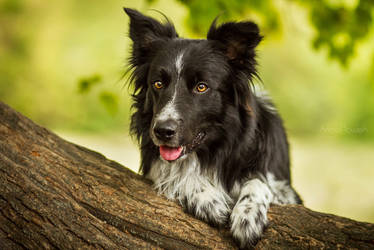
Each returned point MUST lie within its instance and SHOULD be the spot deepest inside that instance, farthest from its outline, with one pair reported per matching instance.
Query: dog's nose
(166, 130)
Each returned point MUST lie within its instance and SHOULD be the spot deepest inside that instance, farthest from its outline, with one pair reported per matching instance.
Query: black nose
(166, 130)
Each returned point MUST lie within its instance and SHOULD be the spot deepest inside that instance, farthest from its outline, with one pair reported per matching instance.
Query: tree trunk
(55, 194)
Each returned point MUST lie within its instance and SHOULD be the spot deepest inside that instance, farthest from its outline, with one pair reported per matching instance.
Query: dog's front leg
(249, 215)
(210, 204)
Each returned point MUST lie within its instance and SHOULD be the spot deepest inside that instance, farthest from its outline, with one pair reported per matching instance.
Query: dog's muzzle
(166, 134)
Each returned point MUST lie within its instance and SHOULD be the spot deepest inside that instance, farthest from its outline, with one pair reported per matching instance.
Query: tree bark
(58, 195)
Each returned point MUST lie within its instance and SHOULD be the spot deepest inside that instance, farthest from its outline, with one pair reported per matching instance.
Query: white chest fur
(184, 178)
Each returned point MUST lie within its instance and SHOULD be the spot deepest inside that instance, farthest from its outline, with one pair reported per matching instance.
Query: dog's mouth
(171, 153)
(174, 153)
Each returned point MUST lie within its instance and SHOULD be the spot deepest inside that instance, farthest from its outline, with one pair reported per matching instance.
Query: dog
(208, 140)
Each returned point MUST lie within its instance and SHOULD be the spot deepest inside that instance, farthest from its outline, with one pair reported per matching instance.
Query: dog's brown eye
(158, 85)
(201, 87)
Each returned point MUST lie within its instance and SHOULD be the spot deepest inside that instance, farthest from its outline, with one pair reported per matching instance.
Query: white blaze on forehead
(179, 63)
(170, 111)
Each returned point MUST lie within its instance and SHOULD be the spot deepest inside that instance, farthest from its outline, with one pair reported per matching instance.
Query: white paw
(248, 221)
(210, 207)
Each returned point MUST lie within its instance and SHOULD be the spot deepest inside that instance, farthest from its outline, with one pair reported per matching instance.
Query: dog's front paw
(213, 208)
(248, 222)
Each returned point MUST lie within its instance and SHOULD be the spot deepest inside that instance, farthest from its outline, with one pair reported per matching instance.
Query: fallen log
(58, 195)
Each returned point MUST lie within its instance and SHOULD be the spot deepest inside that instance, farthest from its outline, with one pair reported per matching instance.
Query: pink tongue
(170, 154)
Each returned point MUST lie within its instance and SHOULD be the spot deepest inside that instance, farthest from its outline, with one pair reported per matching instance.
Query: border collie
(207, 140)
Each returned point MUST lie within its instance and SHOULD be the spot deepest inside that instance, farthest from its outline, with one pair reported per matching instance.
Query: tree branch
(55, 194)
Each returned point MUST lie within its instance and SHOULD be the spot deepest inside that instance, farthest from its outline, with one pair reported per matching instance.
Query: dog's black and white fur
(195, 99)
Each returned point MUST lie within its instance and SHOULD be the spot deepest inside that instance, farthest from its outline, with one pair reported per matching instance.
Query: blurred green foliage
(110, 101)
(63, 68)
(339, 25)
(61, 62)
(201, 13)
(263, 12)
(85, 84)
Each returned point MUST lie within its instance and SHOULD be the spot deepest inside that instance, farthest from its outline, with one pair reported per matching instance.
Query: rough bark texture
(55, 194)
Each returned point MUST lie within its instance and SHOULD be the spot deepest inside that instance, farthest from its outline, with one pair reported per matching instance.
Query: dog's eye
(201, 87)
(158, 85)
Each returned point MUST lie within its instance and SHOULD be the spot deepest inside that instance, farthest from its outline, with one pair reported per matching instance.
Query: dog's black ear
(238, 39)
(145, 30)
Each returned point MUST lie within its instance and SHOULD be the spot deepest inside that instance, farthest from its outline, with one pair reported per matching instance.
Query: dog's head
(190, 90)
